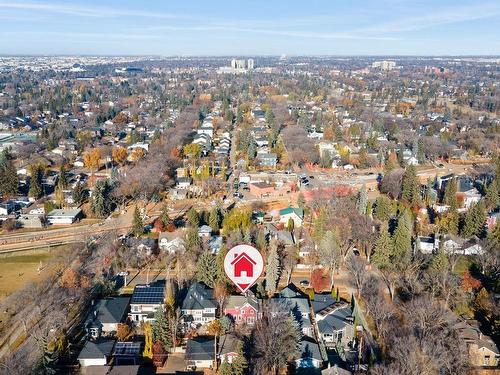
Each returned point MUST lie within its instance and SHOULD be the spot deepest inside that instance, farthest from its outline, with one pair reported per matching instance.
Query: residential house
(295, 214)
(144, 247)
(200, 353)
(96, 353)
(457, 245)
(426, 244)
(199, 306)
(227, 348)
(336, 325)
(183, 182)
(298, 303)
(483, 352)
(146, 299)
(467, 193)
(322, 302)
(105, 316)
(171, 242)
(215, 244)
(267, 160)
(284, 236)
(243, 309)
(63, 216)
(205, 231)
(310, 356)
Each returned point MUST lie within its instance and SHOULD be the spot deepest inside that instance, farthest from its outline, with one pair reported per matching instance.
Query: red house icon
(243, 264)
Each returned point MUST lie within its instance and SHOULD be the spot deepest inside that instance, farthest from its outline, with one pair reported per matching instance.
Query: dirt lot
(16, 271)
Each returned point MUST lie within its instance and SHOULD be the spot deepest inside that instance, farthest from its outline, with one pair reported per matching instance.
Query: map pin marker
(243, 264)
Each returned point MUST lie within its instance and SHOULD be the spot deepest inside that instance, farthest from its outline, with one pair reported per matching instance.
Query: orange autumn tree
(470, 283)
(91, 159)
(320, 280)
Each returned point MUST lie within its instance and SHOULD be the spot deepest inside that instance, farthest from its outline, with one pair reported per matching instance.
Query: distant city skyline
(228, 28)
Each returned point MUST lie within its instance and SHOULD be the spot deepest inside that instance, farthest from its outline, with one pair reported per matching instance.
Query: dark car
(304, 283)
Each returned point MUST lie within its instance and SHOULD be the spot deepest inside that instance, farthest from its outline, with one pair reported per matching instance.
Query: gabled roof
(111, 310)
(228, 344)
(287, 211)
(97, 349)
(200, 348)
(309, 348)
(237, 301)
(152, 294)
(199, 297)
(335, 321)
(322, 301)
(291, 291)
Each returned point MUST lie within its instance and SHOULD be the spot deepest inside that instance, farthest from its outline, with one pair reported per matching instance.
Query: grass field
(18, 270)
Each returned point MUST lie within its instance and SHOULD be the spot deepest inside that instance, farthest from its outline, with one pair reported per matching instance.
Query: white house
(63, 216)
(171, 243)
(146, 299)
(199, 306)
(296, 214)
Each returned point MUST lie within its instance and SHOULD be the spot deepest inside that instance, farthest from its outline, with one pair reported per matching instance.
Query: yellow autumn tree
(119, 154)
(91, 159)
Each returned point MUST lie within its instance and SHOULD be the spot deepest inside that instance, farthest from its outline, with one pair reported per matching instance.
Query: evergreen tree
(78, 194)
(429, 197)
(492, 198)
(439, 262)
(193, 217)
(411, 186)
(450, 194)
(101, 200)
(273, 268)
(261, 241)
(301, 201)
(475, 218)
(161, 329)
(63, 179)
(36, 173)
(240, 363)
(207, 269)
(384, 248)
(137, 223)
(382, 208)
(369, 209)
(214, 219)
(193, 241)
(164, 217)
(362, 200)
(402, 236)
(225, 368)
(9, 182)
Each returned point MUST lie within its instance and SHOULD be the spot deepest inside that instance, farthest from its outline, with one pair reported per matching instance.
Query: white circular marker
(243, 264)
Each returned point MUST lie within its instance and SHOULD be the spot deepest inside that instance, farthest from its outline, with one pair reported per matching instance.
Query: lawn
(18, 270)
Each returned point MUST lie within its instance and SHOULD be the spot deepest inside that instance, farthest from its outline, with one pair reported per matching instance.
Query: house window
(486, 360)
(250, 320)
(135, 308)
(242, 312)
(238, 318)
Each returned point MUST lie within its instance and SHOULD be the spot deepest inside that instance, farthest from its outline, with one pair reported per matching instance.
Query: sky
(250, 27)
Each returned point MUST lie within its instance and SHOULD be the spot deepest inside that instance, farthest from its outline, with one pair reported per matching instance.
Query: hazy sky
(246, 27)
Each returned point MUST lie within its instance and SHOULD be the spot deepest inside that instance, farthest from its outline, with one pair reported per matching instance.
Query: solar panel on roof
(127, 348)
